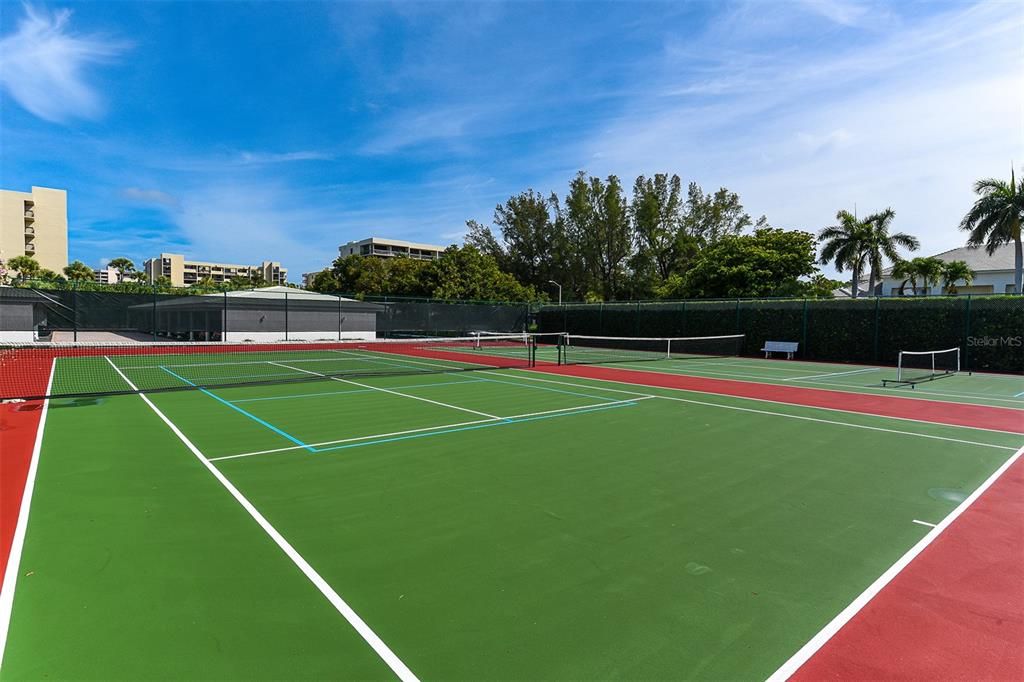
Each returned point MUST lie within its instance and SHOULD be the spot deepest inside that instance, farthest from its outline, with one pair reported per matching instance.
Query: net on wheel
(579, 349)
(917, 366)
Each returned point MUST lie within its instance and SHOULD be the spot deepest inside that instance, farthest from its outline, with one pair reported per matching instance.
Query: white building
(390, 248)
(107, 275)
(992, 274)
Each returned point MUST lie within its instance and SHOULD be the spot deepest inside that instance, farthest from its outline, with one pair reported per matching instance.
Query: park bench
(787, 347)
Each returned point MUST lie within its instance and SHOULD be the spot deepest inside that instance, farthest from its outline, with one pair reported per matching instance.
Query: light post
(551, 281)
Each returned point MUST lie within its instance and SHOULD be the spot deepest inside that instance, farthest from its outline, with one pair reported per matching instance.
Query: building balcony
(30, 232)
(30, 216)
(30, 247)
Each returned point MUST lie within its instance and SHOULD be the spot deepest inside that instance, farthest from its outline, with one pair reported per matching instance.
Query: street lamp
(551, 281)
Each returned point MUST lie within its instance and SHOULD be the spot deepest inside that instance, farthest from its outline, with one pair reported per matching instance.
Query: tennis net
(90, 369)
(577, 349)
(917, 366)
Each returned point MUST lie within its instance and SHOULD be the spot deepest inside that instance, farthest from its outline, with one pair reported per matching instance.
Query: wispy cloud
(43, 65)
(149, 196)
(260, 158)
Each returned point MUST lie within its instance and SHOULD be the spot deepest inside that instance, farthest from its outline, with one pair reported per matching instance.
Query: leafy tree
(77, 271)
(125, 266)
(953, 272)
(995, 219)
(881, 244)
(819, 286)
(205, 283)
(483, 240)
(847, 244)
(597, 224)
(466, 273)
(656, 211)
(709, 217)
(27, 267)
(325, 282)
(766, 263)
(48, 275)
(928, 271)
(3, 272)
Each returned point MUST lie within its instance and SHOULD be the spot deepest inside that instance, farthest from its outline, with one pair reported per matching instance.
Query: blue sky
(241, 132)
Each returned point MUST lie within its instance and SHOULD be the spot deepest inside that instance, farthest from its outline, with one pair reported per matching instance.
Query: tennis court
(465, 509)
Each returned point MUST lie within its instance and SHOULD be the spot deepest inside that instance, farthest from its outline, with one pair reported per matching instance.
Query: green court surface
(997, 390)
(487, 524)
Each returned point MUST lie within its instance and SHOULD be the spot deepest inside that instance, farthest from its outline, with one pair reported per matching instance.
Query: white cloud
(43, 66)
(909, 119)
(256, 158)
(149, 196)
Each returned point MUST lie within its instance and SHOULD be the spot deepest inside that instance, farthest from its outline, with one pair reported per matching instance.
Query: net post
(74, 310)
(899, 367)
(286, 316)
(224, 326)
(668, 349)
(155, 298)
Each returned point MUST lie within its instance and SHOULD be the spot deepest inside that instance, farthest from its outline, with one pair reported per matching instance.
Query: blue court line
(239, 409)
(360, 390)
(473, 427)
(1019, 394)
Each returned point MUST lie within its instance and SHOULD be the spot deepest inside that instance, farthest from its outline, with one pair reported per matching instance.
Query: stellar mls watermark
(991, 341)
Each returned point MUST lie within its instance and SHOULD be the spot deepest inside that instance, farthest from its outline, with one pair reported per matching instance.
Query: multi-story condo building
(35, 224)
(390, 248)
(106, 275)
(183, 272)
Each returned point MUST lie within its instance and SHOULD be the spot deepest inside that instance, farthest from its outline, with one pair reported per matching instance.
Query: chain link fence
(69, 314)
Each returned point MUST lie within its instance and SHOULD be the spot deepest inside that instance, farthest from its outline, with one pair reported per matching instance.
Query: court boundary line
(10, 581)
(839, 388)
(831, 374)
(800, 405)
(813, 645)
(341, 606)
(387, 390)
(510, 419)
(799, 416)
(353, 391)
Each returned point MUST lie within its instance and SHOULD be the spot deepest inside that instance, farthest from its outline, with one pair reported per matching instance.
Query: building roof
(396, 242)
(279, 292)
(978, 259)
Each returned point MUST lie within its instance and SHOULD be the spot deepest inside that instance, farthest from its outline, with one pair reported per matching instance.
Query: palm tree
(953, 272)
(125, 267)
(846, 244)
(928, 270)
(78, 271)
(881, 244)
(995, 219)
(27, 267)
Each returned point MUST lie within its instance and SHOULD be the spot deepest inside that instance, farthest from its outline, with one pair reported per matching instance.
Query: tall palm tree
(926, 270)
(27, 267)
(953, 272)
(995, 219)
(881, 244)
(846, 243)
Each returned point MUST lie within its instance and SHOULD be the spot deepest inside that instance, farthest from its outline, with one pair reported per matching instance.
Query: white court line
(243, 362)
(814, 407)
(832, 374)
(924, 523)
(388, 390)
(18, 541)
(815, 643)
(783, 414)
(435, 428)
(840, 388)
(360, 626)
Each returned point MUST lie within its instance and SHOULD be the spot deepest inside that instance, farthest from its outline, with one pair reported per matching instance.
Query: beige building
(183, 273)
(390, 248)
(107, 275)
(35, 224)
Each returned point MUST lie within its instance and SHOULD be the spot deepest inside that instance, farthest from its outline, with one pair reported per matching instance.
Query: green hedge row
(987, 329)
